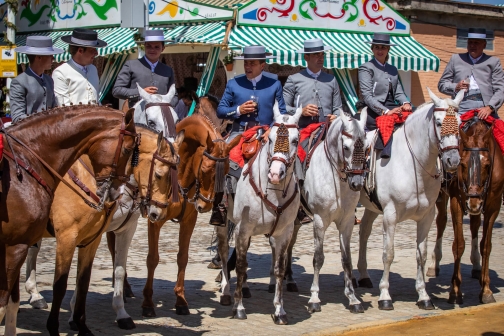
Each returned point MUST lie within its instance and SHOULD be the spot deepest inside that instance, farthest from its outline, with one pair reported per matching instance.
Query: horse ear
(160, 138)
(276, 111)
(489, 134)
(346, 122)
(463, 136)
(299, 112)
(179, 139)
(232, 144)
(437, 101)
(363, 117)
(167, 98)
(128, 116)
(143, 93)
(459, 97)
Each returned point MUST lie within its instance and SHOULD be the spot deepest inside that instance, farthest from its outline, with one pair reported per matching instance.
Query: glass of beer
(468, 82)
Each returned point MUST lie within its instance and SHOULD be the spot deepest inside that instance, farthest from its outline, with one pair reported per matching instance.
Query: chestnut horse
(477, 190)
(61, 136)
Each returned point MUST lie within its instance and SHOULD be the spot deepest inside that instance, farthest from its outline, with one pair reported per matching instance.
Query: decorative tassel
(219, 177)
(135, 157)
(358, 156)
(450, 124)
(282, 140)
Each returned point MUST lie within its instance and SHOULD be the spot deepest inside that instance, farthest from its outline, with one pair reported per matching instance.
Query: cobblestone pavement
(208, 316)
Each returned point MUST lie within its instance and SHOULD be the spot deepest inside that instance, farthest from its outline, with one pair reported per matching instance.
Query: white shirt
(473, 85)
(313, 74)
(83, 68)
(33, 72)
(255, 80)
(72, 86)
(383, 65)
(152, 65)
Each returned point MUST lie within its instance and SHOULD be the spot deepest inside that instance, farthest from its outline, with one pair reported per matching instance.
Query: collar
(152, 65)
(33, 72)
(474, 60)
(313, 74)
(256, 80)
(82, 68)
(383, 65)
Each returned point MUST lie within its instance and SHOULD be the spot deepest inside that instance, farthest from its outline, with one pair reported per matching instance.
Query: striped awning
(209, 33)
(120, 40)
(349, 49)
(223, 3)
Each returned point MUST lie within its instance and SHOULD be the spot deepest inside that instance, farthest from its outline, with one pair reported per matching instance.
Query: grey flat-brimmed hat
(254, 52)
(156, 35)
(39, 45)
(477, 34)
(313, 46)
(382, 39)
(84, 38)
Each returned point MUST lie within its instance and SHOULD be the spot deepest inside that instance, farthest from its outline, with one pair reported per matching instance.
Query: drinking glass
(315, 101)
(468, 82)
(255, 101)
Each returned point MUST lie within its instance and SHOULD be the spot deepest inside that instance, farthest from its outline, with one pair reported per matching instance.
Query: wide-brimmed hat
(84, 38)
(313, 46)
(156, 35)
(477, 33)
(254, 52)
(39, 45)
(382, 39)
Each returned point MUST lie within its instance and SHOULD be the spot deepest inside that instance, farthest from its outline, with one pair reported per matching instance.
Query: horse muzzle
(450, 160)
(356, 182)
(155, 213)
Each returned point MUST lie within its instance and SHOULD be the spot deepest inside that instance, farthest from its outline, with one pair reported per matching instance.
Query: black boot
(218, 216)
(303, 217)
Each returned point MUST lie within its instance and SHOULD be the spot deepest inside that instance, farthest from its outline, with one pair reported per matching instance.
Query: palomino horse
(207, 105)
(266, 202)
(332, 184)
(431, 131)
(477, 189)
(61, 135)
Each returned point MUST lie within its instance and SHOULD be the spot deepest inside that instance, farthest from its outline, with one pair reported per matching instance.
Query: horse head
(351, 153)
(283, 143)
(476, 166)
(446, 122)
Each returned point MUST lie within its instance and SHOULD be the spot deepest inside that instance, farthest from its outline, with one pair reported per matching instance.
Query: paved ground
(201, 290)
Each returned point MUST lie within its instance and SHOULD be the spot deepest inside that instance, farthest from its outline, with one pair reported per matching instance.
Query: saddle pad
(386, 123)
(498, 129)
(236, 154)
(303, 135)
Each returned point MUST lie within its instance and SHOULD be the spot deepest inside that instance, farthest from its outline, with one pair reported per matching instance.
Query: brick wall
(441, 41)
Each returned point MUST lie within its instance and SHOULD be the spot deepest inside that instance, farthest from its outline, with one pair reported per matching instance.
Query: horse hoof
(39, 304)
(476, 274)
(211, 265)
(355, 284)
(487, 298)
(239, 314)
(246, 293)
(292, 287)
(218, 278)
(73, 326)
(356, 308)
(366, 283)
(432, 272)
(280, 319)
(225, 300)
(426, 305)
(271, 288)
(385, 305)
(455, 299)
(126, 323)
(128, 293)
(148, 312)
(182, 310)
(314, 307)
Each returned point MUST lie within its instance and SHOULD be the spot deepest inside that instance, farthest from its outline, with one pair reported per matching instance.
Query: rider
(248, 100)
(33, 91)
(380, 87)
(480, 75)
(76, 81)
(319, 95)
(151, 74)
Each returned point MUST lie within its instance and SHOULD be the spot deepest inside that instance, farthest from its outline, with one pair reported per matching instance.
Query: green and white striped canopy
(210, 33)
(349, 49)
(222, 3)
(120, 40)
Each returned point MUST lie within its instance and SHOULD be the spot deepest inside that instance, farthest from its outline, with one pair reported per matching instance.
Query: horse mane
(212, 98)
(147, 127)
(424, 104)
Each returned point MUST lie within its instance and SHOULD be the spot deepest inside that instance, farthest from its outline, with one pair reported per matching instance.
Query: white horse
(124, 231)
(266, 202)
(407, 186)
(331, 189)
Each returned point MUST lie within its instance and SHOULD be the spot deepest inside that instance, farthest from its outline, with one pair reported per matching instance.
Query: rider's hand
(396, 110)
(406, 107)
(332, 117)
(484, 112)
(310, 110)
(247, 107)
(462, 85)
(151, 89)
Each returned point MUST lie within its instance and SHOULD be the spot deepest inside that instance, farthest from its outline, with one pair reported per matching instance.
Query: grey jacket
(374, 82)
(139, 71)
(329, 99)
(487, 72)
(30, 94)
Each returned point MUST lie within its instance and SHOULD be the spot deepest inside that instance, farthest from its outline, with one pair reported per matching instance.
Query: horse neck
(147, 147)
(65, 134)
(333, 142)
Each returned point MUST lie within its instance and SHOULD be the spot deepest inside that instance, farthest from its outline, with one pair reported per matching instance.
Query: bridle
(282, 131)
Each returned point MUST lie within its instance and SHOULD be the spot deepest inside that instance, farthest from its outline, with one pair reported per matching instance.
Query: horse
(207, 105)
(477, 190)
(430, 131)
(60, 136)
(264, 208)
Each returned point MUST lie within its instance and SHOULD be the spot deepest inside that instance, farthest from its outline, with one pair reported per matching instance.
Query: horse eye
(294, 142)
(128, 150)
(152, 123)
(157, 176)
(346, 148)
(438, 123)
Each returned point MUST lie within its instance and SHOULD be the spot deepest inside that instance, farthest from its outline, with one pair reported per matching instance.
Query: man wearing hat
(152, 75)
(319, 95)
(480, 75)
(248, 101)
(76, 81)
(33, 91)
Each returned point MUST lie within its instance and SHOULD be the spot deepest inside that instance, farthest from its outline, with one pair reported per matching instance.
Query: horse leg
(486, 295)
(364, 232)
(245, 287)
(385, 301)
(272, 284)
(458, 248)
(153, 230)
(186, 230)
(122, 244)
(441, 220)
(241, 247)
(319, 229)
(223, 250)
(37, 301)
(423, 228)
(111, 244)
(291, 283)
(281, 244)
(11, 313)
(475, 255)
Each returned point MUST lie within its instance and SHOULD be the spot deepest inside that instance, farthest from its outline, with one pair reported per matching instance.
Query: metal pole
(141, 52)
(11, 36)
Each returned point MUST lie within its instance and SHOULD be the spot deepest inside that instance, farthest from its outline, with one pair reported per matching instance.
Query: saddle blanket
(387, 122)
(236, 154)
(305, 134)
(498, 130)
(4, 120)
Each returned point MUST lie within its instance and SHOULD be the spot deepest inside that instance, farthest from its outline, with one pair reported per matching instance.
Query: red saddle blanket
(303, 135)
(4, 120)
(386, 123)
(236, 154)
(498, 130)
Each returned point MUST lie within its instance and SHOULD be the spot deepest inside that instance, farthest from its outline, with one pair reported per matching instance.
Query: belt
(475, 97)
(243, 126)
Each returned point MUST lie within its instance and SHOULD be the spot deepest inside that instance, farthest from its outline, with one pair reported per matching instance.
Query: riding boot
(387, 151)
(218, 216)
(215, 263)
(303, 217)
